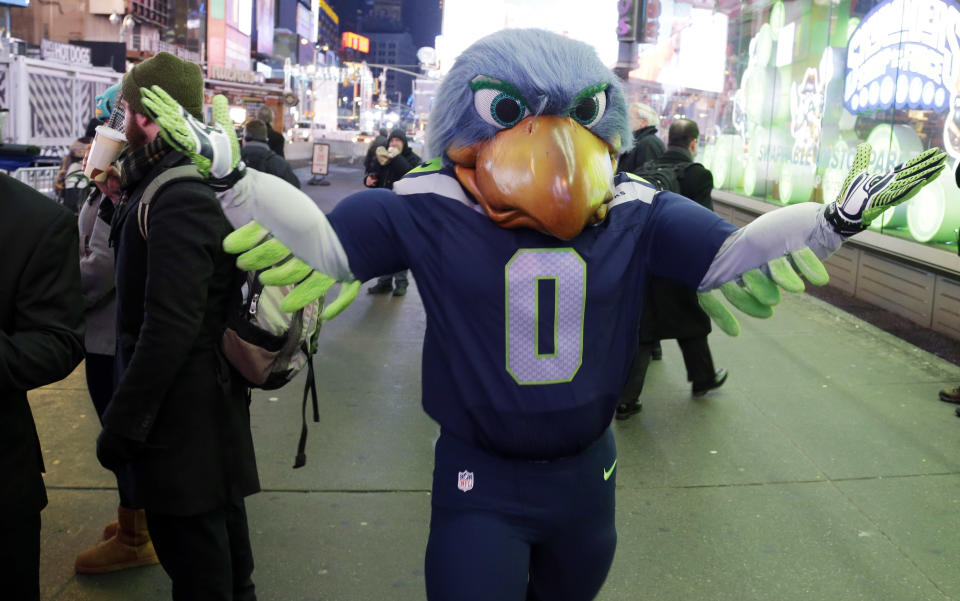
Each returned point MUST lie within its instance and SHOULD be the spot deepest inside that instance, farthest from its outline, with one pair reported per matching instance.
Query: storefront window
(784, 91)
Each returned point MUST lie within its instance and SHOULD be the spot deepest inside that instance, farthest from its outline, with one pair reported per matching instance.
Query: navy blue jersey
(529, 338)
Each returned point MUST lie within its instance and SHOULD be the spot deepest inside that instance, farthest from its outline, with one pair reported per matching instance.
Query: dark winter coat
(387, 174)
(176, 394)
(370, 163)
(260, 156)
(646, 146)
(275, 140)
(671, 310)
(41, 331)
(407, 153)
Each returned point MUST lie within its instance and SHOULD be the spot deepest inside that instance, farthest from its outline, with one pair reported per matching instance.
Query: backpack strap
(164, 179)
(311, 388)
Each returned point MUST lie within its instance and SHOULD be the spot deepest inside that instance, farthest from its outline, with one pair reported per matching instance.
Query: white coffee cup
(104, 150)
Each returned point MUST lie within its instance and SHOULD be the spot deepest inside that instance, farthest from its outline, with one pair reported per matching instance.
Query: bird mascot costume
(531, 255)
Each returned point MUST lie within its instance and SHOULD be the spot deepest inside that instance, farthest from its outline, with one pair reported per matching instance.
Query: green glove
(865, 196)
(214, 149)
(756, 293)
(258, 251)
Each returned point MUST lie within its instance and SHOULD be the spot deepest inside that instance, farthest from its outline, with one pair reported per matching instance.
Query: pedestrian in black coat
(179, 415)
(671, 310)
(256, 153)
(41, 341)
(646, 145)
(274, 138)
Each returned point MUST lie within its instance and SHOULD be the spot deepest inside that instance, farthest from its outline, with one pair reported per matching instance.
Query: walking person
(274, 138)
(179, 415)
(256, 153)
(41, 341)
(671, 309)
(644, 122)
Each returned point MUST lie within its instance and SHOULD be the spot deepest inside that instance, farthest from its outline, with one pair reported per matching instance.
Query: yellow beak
(547, 173)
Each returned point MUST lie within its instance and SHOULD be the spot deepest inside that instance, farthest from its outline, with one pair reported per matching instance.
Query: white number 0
(523, 273)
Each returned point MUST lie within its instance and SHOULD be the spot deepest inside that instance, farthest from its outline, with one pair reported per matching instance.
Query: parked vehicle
(300, 132)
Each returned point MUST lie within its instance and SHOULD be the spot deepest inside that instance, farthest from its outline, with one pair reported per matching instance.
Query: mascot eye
(498, 108)
(590, 109)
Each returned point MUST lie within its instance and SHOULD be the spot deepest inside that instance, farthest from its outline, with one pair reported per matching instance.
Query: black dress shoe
(950, 396)
(625, 410)
(656, 354)
(702, 388)
(380, 288)
(400, 290)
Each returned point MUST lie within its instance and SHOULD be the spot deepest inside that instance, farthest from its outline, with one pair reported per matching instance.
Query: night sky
(420, 17)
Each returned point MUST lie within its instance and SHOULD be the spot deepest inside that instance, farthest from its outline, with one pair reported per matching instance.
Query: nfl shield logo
(465, 481)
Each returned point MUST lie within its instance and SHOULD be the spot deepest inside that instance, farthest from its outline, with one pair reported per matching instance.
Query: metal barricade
(39, 178)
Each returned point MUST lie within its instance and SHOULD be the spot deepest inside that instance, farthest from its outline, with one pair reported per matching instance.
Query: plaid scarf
(136, 164)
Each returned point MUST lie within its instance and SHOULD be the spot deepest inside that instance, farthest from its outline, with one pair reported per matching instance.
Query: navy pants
(207, 556)
(520, 530)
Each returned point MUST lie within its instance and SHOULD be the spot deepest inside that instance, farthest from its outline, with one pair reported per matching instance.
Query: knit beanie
(179, 78)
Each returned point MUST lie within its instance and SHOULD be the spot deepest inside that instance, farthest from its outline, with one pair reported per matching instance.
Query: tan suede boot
(110, 530)
(128, 548)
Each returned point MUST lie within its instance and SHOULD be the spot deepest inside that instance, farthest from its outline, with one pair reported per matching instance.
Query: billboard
(217, 34)
(237, 50)
(306, 24)
(353, 41)
(692, 57)
(234, 29)
(265, 25)
(903, 55)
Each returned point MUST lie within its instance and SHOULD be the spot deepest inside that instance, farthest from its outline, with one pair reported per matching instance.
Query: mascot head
(532, 123)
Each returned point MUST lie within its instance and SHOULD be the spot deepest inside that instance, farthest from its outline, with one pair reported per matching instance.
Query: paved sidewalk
(824, 470)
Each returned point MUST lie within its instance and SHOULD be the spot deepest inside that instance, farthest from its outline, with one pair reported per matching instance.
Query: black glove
(114, 451)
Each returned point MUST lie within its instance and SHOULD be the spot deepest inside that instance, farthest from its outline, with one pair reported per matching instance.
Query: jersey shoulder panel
(436, 180)
(629, 188)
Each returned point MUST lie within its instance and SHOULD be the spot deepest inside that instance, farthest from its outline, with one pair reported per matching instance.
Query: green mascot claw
(719, 313)
(348, 292)
(758, 293)
(291, 272)
(259, 252)
(244, 238)
(743, 300)
(263, 255)
(761, 287)
(810, 266)
(313, 287)
(783, 274)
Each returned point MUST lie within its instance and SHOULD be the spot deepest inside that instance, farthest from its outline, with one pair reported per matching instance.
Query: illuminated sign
(64, 53)
(330, 13)
(355, 42)
(305, 22)
(904, 54)
(629, 15)
(237, 75)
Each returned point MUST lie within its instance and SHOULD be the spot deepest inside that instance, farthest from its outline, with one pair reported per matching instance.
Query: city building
(395, 49)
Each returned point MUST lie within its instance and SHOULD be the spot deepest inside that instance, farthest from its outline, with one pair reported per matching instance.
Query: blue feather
(547, 68)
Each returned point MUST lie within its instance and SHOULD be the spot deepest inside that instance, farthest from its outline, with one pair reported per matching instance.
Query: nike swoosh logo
(609, 472)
